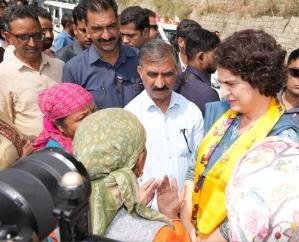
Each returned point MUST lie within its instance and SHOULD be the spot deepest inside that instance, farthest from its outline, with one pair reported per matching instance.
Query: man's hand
(147, 190)
(169, 202)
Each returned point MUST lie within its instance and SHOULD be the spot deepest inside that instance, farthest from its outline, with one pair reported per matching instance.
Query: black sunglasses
(154, 26)
(39, 36)
(294, 72)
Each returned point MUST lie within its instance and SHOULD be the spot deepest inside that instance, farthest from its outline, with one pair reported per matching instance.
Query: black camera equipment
(34, 199)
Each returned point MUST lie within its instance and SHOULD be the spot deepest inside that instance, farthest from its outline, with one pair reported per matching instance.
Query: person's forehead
(25, 24)
(45, 23)
(130, 27)
(165, 64)
(294, 63)
(101, 18)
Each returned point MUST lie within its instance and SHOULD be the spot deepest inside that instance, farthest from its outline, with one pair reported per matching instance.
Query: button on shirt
(19, 89)
(167, 149)
(111, 85)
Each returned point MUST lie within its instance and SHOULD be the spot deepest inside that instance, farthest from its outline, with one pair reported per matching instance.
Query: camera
(46, 190)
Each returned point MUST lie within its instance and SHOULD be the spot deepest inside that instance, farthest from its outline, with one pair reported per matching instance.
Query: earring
(139, 177)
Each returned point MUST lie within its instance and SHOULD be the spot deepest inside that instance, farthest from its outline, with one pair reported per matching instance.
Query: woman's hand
(169, 202)
(147, 191)
(27, 149)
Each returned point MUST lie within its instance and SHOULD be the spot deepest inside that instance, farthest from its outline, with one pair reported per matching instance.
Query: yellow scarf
(208, 197)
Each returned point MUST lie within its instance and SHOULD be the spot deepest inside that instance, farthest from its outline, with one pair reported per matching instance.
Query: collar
(19, 64)
(292, 110)
(182, 64)
(202, 76)
(125, 52)
(149, 103)
(67, 34)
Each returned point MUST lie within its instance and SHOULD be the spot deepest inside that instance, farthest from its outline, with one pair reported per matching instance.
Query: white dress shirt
(169, 151)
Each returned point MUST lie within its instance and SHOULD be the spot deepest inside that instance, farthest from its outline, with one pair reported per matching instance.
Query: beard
(47, 43)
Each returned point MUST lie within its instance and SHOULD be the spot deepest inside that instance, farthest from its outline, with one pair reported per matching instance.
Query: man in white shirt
(174, 125)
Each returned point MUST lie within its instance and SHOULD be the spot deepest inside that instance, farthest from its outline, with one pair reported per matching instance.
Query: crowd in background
(216, 165)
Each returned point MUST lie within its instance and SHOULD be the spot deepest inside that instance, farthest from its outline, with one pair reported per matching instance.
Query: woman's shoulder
(213, 111)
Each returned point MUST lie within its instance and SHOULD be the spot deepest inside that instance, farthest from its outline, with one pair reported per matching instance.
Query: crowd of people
(169, 159)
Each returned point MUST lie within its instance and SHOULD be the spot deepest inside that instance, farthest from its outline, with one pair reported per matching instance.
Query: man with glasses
(289, 96)
(107, 69)
(82, 40)
(28, 71)
(153, 32)
(134, 26)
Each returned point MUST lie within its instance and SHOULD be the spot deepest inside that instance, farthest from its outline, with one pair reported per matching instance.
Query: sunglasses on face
(154, 26)
(39, 36)
(294, 72)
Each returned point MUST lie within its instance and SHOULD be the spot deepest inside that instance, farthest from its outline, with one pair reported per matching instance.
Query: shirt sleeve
(195, 142)
(6, 103)
(67, 75)
(59, 43)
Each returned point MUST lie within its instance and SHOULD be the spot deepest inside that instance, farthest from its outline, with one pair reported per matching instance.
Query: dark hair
(99, 5)
(150, 13)
(66, 18)
(293, 56)
(23, 2)
(156, 51)
(136, 15)
(200, 40)
(183, 29)
(79, 13)
(14, 12)
(256, 57)
(185, 26)
(43, 13)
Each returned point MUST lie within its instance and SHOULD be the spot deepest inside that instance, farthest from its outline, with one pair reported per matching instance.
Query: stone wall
(285, 30)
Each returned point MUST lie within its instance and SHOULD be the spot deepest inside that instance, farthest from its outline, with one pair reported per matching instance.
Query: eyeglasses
(39, 36)
(294, 72)
(154, 26)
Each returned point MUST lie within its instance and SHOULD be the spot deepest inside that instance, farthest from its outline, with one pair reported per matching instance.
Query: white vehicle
(57, 9)
(167, 31)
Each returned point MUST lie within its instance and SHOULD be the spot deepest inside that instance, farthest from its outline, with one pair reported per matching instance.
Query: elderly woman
(259, 207)
(64, 106)
(111, 145)
(251, 71)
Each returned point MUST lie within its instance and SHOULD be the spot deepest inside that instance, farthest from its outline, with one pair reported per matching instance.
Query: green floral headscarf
(108, 143)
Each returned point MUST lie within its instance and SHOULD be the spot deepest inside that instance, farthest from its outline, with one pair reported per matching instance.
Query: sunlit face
(25, 50)
(47, 29)
(293, 81)
(158, 78)
(239, 93)
(71, 122)
(153, 33)
(82, 35)
(133, 37)
(103, 29)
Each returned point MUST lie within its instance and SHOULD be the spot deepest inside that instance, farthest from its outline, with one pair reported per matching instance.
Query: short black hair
(99, 6)
(136, 15)
(66, 18)
(150, 13)
(79, 13)
(185, 26)
(200, 40)
(293, 56)
(14, 12)
(183, 29)
(43, 13)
